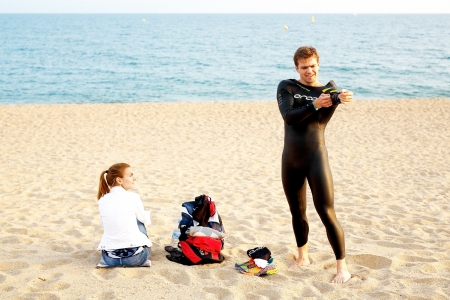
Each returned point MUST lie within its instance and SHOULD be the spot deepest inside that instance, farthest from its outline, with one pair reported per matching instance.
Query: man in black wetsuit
(306, 106)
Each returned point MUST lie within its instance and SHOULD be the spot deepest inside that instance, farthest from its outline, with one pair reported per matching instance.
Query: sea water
(113, 58)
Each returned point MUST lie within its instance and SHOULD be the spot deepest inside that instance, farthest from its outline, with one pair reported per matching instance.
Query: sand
(390, 164)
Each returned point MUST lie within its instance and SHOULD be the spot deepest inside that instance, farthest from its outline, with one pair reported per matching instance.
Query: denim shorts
(132, 261)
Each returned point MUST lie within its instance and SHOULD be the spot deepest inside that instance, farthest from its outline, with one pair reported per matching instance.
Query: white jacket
(119, 210)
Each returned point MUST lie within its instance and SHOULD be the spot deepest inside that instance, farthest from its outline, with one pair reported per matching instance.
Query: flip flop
(245, 266)
(170, 249)
(176, 254)
(172, 258)
(257, 271)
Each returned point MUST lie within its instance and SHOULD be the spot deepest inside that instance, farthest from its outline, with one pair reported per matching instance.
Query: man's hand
(345, 96)
(324, 100)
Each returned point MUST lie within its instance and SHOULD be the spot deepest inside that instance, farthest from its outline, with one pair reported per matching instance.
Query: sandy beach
(390, 164)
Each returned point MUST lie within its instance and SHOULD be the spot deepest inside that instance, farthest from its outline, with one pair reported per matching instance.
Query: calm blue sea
(69, 58)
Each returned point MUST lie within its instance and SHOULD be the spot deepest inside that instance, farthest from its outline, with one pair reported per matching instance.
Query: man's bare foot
(300, 262)
(341, 277)
(303, 257)
(342, 274)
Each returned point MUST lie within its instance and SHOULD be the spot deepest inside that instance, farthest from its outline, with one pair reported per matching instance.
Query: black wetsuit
(304, 157)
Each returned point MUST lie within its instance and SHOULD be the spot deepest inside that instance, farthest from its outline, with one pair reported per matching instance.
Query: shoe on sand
(148, 263)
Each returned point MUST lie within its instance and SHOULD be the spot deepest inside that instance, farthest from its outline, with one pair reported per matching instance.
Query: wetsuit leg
(294, 185)
(321, 182)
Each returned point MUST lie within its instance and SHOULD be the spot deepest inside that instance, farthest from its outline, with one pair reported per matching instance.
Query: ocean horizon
(129, 58)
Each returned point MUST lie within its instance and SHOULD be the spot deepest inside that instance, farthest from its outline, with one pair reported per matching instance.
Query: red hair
(108, 181)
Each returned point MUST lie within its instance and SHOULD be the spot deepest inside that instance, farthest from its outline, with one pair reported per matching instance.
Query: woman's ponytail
(108, 178)
(103, 187)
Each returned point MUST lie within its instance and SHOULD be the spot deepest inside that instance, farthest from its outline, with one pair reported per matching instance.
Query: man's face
(309, 71)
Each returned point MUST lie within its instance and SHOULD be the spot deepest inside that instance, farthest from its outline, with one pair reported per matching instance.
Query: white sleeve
(141, 214)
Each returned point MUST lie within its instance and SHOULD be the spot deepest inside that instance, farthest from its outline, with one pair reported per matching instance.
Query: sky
(225, 6)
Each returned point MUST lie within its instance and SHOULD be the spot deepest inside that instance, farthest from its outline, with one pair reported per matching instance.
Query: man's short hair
(305, 52)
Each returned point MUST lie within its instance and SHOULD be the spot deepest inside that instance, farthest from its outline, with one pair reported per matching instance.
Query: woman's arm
(141, 214)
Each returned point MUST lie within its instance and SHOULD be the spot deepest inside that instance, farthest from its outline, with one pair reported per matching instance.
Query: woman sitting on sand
(124, 241)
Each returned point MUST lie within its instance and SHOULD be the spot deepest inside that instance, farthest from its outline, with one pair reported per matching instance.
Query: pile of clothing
(202, 234)
(261, 263)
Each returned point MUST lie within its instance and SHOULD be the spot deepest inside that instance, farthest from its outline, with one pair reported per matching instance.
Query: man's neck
(315, 83)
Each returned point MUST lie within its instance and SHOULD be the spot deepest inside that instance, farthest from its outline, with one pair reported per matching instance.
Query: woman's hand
(324, 100)
(345, 96)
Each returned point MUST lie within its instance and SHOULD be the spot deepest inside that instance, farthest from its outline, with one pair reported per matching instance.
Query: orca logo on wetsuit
(297, 96)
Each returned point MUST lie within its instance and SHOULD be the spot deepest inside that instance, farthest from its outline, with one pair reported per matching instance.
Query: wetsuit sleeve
(286, 102)
(327, 112)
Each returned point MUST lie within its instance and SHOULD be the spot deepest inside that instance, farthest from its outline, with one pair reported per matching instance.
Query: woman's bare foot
(342, 274)
(303, 257)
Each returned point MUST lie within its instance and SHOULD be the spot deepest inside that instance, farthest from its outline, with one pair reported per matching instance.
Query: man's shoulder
(287, 82)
